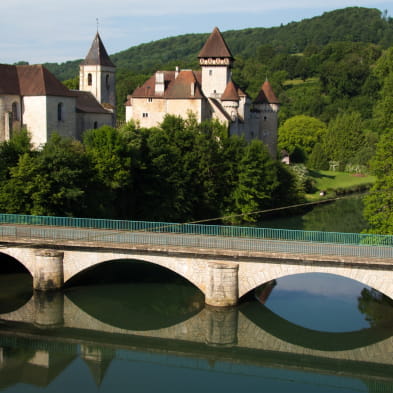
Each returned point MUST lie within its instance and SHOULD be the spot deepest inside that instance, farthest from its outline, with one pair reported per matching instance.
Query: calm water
(132, 327)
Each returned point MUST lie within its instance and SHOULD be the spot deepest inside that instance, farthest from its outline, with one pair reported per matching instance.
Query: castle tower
(216, 61)
(97, 75)
(267, 105)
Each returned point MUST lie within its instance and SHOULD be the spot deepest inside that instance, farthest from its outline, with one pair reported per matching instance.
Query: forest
(334, 77)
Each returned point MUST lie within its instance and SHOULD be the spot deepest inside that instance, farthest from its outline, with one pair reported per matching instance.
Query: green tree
(345, 138)
(299, 134)
(257, 182)
(379, 202)
(53, 181)
(11, 150)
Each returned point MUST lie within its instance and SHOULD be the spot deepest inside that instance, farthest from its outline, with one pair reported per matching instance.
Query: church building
(32, 97)
(209, 94)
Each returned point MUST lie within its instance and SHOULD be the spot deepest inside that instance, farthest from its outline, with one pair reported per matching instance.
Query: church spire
(97, 54)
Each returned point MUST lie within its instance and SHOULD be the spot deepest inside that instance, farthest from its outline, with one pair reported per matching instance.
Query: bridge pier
(221, 326)
(48, 309)
(222, 289)
(48, 270)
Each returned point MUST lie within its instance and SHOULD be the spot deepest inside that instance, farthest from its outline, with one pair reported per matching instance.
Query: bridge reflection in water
(50, 332)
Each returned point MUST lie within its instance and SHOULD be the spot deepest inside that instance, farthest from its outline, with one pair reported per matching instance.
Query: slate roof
(175, 88)
(30, 80)
(266, 95)
(97, 54)
(215, 46)
(86, 102)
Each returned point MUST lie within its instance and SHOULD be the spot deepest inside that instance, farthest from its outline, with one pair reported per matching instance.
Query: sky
(60, 30)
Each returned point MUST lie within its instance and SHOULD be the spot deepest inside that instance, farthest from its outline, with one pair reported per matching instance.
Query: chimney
(176, 72)
(192, 89)
(160, 83)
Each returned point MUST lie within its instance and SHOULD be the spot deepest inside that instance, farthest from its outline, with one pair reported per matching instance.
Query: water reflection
(54, 341)
(111, 337)
(133, 306)
(344, 215)
(320, 301)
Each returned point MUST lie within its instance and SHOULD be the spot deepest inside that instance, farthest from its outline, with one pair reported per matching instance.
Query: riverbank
(329, 184)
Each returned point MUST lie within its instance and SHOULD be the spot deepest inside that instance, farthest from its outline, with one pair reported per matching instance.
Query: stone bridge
(223, 275)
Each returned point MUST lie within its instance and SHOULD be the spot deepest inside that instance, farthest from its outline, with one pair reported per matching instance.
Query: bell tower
(97, 75)
(216, 61)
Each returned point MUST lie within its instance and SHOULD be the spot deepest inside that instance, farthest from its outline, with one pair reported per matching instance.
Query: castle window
(89, 79)
(95, 125)
(264, 118)
(60, 112)
(15, 114)
(210, 72)
(150, 100)
(107, 82)
(145, 114)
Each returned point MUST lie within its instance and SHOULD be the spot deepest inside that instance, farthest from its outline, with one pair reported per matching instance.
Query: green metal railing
(198, 229)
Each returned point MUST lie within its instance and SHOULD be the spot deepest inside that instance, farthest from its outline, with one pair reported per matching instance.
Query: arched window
(15, 114)
(107, 84)
(60, 111)
(89, 79)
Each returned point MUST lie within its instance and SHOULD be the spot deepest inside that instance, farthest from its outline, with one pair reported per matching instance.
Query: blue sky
(59, 30)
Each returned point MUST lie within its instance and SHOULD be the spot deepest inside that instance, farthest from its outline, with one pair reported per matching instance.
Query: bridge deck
(197, 244)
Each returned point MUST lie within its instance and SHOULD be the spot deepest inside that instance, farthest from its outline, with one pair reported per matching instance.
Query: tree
(54, 181)
(379, 202)
(257, 182)
(110, 155)
(345, 138)
(299, 134)
(11, 150)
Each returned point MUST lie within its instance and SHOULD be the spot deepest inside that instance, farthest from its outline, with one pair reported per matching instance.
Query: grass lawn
(335, 182)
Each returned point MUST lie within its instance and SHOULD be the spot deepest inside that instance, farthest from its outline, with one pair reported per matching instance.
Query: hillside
(346, 24)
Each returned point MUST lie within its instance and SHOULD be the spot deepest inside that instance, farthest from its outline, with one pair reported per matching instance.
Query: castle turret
(216, 61)
(267, 105)
(97, 75)
(230, 100)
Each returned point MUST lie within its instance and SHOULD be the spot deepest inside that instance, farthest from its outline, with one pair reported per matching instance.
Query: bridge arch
(25, 257)
(252, 276)
(77, 262)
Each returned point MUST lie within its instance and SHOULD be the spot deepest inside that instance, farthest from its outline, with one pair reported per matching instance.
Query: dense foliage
(180, 171)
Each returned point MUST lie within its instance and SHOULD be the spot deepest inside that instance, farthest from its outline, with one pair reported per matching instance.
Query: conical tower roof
(230, 93)
(97, 54)
(266, 95)
(215, 47)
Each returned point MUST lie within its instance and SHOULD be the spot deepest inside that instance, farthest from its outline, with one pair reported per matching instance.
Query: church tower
(216, 61)
(97, 75)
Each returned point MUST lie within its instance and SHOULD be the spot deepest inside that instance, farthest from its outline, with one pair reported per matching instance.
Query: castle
(208, 94)
(31, 97)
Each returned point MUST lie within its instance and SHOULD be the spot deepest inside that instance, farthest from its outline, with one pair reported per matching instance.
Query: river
(125, 327)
